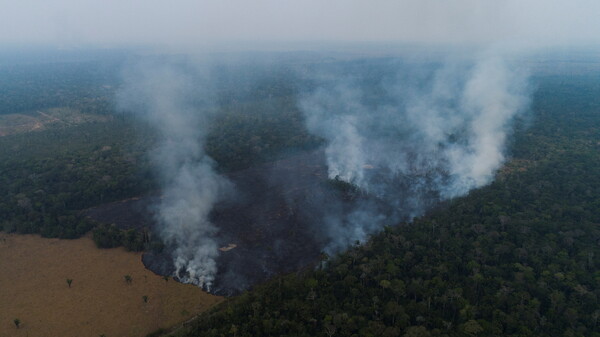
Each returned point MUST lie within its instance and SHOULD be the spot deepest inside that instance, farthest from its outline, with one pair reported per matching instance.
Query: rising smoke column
(433, 136)
(178, 106)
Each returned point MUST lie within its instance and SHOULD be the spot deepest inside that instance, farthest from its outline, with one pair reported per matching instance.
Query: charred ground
(273, 224)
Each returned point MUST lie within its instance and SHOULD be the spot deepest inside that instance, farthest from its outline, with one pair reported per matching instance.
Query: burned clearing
(263, 230)
(276, 223)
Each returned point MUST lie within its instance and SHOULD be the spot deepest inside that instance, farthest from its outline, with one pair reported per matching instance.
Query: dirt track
(33, 288)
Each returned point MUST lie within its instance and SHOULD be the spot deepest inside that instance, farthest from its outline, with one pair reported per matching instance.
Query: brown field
(34, 289)
(42, 119)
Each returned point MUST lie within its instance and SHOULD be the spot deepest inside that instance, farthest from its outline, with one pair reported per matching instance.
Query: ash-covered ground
(275, 224)
(270, 227)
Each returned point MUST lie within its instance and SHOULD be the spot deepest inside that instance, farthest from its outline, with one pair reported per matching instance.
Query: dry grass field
(34, 289)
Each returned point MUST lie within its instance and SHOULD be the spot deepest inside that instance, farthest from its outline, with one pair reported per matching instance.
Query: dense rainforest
(516, 258)
(68, 167)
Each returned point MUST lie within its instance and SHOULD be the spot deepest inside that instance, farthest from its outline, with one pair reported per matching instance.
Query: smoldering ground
(398, 136)
(437, 130)
(179, 106)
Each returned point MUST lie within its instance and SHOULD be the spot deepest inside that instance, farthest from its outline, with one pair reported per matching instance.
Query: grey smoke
(407, 134)
(178, 105)
(435, 133)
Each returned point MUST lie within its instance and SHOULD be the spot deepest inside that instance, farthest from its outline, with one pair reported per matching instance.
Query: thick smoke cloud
(434, 132)
(178, 105)
(400, 136)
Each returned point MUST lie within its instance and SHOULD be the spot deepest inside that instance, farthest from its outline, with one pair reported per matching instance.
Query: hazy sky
(187, 22)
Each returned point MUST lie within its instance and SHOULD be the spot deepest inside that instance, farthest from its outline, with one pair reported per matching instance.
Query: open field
(43, 119)
(34, 289)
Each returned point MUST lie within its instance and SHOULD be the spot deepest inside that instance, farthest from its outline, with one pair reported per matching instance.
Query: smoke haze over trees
(407, 134)
(513, 258)
(437, 130)
(424, 167)
(161, 94)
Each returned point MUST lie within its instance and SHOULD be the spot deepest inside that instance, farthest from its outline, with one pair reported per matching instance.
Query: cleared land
(43, 119)
(34, 289)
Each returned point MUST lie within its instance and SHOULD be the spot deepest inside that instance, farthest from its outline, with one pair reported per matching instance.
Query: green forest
(62, 170)
(519, 257)
(516, 258)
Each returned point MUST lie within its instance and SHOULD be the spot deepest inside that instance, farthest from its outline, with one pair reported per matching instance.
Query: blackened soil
(274, 221)
(125, 214)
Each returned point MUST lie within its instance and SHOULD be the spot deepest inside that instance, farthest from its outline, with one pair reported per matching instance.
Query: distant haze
(186, 23)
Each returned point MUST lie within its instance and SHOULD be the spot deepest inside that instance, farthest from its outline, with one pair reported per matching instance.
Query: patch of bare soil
(34, 289)
(42, 119)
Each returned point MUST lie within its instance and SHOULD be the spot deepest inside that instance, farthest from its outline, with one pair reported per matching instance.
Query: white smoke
(437, 134)
(179, 107)
(491, 98)
(345, 153)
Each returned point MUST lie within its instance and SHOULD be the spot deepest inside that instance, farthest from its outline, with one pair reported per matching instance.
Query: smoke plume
(400, 135)
(433, 131)
(175, 100)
